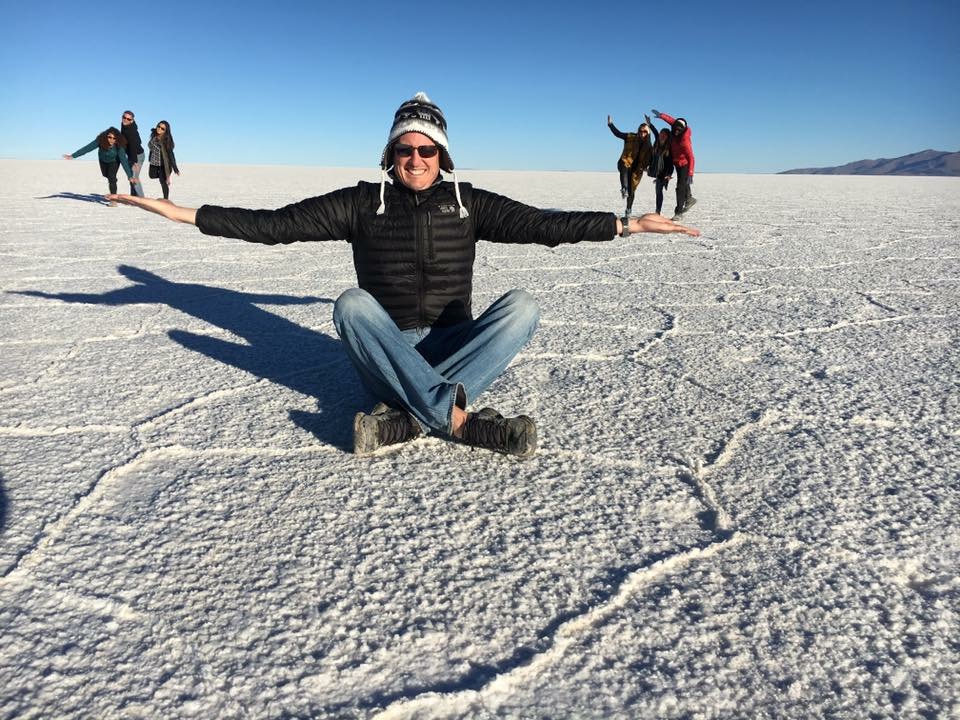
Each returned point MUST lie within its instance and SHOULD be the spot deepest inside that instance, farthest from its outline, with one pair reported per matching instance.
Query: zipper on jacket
(420, 248)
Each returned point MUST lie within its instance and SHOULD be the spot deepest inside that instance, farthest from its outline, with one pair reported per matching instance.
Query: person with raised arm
(681, 152)
(661, 164)
(634, 159)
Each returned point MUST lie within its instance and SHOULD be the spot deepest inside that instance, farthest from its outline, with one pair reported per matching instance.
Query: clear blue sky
(524, 85)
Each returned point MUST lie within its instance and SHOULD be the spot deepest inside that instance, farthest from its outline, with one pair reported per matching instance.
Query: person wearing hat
(681, 151)
(409, 327)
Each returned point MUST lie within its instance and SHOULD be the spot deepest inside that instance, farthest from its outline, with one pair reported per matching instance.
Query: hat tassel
(456, 191)
(383, 184)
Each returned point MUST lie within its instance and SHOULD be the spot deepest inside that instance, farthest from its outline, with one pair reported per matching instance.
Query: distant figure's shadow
(276, 349)
(93, 197)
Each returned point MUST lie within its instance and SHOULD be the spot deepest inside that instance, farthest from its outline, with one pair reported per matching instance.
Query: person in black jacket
(409, 327)
(128, 128)
(661, 163)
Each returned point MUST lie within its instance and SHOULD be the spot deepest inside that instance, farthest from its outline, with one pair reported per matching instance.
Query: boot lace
(396, 427)
(493, 433)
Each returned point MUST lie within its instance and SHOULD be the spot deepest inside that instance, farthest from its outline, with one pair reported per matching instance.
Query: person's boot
(511, 436)
(383, 426)
(691, 201)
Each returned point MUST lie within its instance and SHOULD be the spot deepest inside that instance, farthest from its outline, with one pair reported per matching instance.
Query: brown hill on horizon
(925, 162)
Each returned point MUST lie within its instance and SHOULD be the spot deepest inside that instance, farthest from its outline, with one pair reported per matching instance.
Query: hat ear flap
(446, 162)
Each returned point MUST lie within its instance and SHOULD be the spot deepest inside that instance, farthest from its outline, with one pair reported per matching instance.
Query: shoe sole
(531, 438)
(364, 435)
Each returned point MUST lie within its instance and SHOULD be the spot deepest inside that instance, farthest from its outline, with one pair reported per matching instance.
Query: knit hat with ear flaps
(420, 115)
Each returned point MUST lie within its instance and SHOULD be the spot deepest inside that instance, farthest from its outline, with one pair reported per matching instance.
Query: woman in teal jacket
(112, 155)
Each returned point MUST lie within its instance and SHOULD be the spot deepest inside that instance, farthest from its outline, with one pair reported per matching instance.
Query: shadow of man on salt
(275, 348)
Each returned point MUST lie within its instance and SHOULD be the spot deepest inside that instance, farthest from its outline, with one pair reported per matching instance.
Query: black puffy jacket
(134, 143)
(417, 258)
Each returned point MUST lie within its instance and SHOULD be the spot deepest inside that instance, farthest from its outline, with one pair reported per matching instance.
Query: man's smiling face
(417, 173)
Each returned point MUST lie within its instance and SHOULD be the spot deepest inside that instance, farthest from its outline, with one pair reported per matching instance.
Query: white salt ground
(745, 503)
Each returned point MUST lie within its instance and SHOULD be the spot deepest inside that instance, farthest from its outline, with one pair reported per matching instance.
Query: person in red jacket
(681, 151)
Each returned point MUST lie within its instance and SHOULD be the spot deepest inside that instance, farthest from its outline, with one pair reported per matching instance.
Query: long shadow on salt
(276, 349)
(92, 197)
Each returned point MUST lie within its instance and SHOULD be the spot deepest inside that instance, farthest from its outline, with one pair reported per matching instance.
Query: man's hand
(161, 207)
(654, 223)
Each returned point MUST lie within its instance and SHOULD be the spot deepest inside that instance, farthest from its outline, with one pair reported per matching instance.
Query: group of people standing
(124, 148)
(671, 151)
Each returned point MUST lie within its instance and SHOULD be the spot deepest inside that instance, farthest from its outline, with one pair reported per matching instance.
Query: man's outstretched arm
(160, 207)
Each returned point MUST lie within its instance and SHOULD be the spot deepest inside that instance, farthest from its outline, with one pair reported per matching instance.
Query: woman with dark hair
(112, 154)
(661, 162)
(163, 163)
(633, 160)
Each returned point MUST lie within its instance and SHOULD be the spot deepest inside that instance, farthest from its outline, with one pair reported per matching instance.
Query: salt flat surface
(745, 503)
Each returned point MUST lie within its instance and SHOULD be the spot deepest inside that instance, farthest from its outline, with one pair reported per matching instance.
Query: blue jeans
(662, 184)
(137, 187)
(428, 371)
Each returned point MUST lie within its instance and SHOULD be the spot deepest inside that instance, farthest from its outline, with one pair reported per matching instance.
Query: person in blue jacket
(111, 153)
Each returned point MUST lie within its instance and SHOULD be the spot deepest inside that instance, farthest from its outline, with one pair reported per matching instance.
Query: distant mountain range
(925, 162)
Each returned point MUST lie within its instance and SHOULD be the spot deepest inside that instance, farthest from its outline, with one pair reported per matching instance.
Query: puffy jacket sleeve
(326, 217)
(500, 219)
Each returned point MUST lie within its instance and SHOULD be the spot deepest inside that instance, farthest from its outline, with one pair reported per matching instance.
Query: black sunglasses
(424, 151)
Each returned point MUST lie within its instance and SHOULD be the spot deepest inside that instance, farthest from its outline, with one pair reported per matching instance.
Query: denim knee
(524, 309)
(351, 304)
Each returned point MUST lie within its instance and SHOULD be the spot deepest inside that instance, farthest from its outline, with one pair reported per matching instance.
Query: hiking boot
(691, 201)
(491, 430)
(383, 426)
